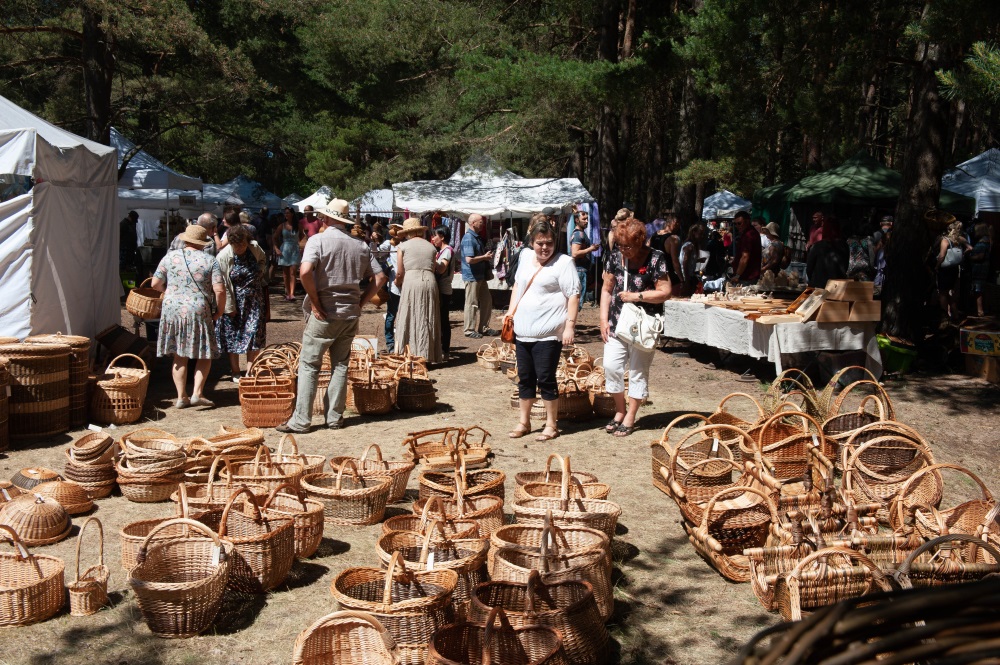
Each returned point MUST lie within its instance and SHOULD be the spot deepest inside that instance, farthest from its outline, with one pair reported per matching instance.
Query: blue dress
(244, 330)
(290, 253)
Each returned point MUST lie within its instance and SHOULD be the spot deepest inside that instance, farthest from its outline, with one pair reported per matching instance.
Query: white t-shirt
(541, 312)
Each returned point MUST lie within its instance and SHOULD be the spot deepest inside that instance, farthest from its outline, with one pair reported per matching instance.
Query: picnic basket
(179, 582)
(141, 372)
(266, 409)
(289, 501)
(356, 499)
(411, 605)
(397, 471)
(262, 471)
(37, 520)
(88, 593)
(472, 644)
(448, 529)
(568, 607)
(486, 510)
(345, 637)
(573, 401)
(31, 585)
(310, 463)
(144, 302)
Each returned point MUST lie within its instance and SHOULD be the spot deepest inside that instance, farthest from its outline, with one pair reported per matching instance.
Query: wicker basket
(71, 496)
(568, 607)
(826, 577)
(213, 495)
(117, 400)
(262, 471)
(31, 585)
(266, 409)
(282, 359)
(839, 427)
(438, 448)
(917, 495)
(133, 535)
(141, 372)
(89, 592)
(825, 398)
(733, 520)
(264, 380)
(942, 560)
(306, 514)
(592, 513)
(414, 390)
(79, 372)
(466, 557)
(92, 448)
(398, 471)
(27, 479)
(345, 637)
(446, 529)
(548, 484)
(310, 463)
(876, 470)
(38, 405)
(356, 500)
(486, 510)
(179, 582)
(723, 417)
(550, 476)
(38, 520)
(411, 605)
(473, 644)
(144, 302)
(573, 402)
(8, 492)
(374, 396)
(571, 540)
(473, 483)
(488, 356)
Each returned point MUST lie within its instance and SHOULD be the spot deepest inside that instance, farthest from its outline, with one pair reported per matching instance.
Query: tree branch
(40, 60)
(43, 28)
(483, 114)
(425, 74)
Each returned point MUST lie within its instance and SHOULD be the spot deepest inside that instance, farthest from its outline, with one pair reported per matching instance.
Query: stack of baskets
(39, 389)
(90, 462)
(120, 392)
(267, 394)
(79, 372)
(151, 465)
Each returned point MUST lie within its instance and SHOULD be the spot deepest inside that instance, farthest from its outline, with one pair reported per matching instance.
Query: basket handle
(261, 450)
(496, 612)
(378, 452)
(548, 465)
(198, 526)
(142, 285)
(426, 546)
(425, 513)
(534, 579)
(126, 355)
(183, 509)
(710, 506)
(987, 495)
(880, 407)
(673, 423)
(394, 562)
(902, 574)
(878, 576)
(463, 435)
(354, 472)
(22, 552)
(281, 445)
(100, 541)
(229, 505)
(714, 431)
(760, 410)
(885, 407)
(213, 470)
(297, 491)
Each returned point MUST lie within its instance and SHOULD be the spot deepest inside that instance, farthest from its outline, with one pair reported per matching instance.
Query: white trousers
(618, 357)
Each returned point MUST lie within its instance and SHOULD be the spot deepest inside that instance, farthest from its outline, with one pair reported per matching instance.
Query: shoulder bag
(636, 327)
(952, 257)
(507, 328)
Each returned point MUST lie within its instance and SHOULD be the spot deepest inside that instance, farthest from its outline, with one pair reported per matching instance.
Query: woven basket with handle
(31, 585)
(88, 593)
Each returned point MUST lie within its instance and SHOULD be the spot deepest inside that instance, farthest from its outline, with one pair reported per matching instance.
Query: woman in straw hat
(417, 321)
(194, 297)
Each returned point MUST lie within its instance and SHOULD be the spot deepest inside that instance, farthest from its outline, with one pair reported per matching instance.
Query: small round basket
(26, 479)
(144, 302)
(38, 520)
(71, 496)
(31, 585)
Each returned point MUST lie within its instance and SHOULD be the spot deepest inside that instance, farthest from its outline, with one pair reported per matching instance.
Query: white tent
(979, 178)
(152, 204)
(724, 205)
(253, 194)
(291, 199)
(482, 186)
(58, 239)
(377, 203)
(317, 199)
(145, 171)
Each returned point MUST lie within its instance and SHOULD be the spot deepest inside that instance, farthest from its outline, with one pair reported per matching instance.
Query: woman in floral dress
(242, 329)
(189, 278)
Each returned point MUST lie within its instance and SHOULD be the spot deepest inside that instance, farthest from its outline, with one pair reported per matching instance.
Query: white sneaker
(236, 380)
(182, 403)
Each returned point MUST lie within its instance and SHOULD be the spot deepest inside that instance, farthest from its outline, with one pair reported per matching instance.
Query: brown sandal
(520, 431)
(547, 434)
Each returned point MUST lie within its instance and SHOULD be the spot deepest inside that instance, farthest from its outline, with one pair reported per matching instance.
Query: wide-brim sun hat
(412, 226)
(338, 210)
(196, 235)
(773, 228)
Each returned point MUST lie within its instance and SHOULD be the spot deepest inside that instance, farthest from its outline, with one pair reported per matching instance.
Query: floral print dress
(244, 330)
(641, 278)
(186, 327)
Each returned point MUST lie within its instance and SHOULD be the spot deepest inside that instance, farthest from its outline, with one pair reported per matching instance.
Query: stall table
(730, 330)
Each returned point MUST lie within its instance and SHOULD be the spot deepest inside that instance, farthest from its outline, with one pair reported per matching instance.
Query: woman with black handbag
(633, 274)
(546, 299)
(194, 298)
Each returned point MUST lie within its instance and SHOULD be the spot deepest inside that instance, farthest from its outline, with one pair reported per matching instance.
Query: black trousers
(445, 324)
(536, 366)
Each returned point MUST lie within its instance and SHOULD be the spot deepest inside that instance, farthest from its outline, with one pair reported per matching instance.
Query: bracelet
(570, 320)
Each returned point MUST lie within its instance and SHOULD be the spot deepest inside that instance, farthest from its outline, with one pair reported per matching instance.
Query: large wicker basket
(306, 514)
(356, 499)
(398, 471)
(266, 409)
(31, 585)
(478, 645)
(345, 637)
(117, 400)
(144, 302)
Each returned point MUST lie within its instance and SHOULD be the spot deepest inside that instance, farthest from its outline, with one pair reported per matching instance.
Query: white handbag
(636, 327)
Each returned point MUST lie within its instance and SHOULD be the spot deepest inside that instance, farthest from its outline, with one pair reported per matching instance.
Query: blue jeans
(390, 321)
(582, 274)
(333, 336)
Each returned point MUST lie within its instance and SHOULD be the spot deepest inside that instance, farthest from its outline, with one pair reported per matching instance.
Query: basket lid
(28, 478)
(36, 518)
(75, 341)
(72, 497)
(34, 350)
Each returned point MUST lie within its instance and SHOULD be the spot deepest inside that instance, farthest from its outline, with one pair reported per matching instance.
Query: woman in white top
(546, 299)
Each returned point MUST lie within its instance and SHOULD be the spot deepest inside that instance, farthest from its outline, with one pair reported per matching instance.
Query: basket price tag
(216, 555)
(8, 391)
(815, 441)
(715, 445)
(3, 490)
(430, 561)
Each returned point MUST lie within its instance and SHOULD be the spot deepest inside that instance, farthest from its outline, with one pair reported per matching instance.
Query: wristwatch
(640, 296)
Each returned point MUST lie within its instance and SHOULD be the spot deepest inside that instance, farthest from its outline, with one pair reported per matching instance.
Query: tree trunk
(908, 282)
(98, 55)
(609, 194)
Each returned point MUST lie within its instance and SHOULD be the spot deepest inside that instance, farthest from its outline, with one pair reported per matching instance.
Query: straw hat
(773, 228)
(411, 226)
(196, 235)
(337, 210)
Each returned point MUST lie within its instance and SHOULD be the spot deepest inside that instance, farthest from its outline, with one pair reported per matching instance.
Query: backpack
(859, 261)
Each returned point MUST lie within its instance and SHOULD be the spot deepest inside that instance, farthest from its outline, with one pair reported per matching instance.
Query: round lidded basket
(79, 371)
(39, 389)
(38, 520)
(26, 479)
(71, 496)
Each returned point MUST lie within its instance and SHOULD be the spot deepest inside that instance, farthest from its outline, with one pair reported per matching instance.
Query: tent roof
(377, 202)
(291, 199)
(213, 195)
(253, 194)
(482, 186)
(145, 171)
(13, 116)
(979, 178)
(859, 181)
(318, 198)
(723, 204)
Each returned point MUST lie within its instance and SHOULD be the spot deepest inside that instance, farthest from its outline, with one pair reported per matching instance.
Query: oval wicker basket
(26, 479)
(31, 585)
(144, 302)
(355, 500)
(266, 409)
(340, 637)
(398, 471)
(310, 463)
(306, 514)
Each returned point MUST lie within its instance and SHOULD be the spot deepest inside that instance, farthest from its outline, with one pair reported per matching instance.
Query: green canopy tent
(860, 181)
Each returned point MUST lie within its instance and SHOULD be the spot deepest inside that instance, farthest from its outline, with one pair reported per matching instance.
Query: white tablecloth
(729, 330)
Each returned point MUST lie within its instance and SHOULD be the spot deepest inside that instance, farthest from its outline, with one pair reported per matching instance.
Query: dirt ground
(670, 606)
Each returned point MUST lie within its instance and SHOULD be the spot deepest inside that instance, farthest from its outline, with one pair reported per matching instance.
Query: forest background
(653, 103)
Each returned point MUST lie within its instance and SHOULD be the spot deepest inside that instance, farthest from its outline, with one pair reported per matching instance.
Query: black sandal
(623, 430)
(612, 426)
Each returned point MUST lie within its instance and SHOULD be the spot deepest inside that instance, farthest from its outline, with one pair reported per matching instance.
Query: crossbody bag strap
(514, 309)
(196, 282)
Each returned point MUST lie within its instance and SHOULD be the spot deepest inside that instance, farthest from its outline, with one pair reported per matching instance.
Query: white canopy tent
(724, 205)
(59, 238)
(145, 171)
(317, 199)
(979, 178)
(377, 203)
(151, 205)
(482, 186)
(253, 194)
(291, 199)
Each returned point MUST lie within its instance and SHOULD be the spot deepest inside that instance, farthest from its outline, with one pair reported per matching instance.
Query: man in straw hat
(475, 273)
(333, 265)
